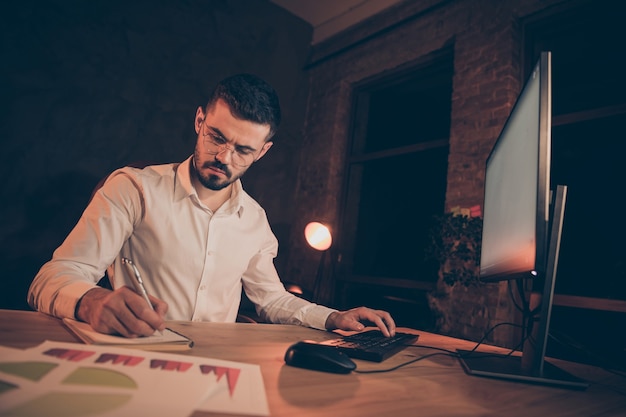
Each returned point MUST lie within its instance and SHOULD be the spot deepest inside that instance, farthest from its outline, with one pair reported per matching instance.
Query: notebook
(169, 340)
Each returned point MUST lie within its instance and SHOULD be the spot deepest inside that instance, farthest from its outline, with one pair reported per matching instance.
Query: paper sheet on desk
(55, 378)
(248, 398)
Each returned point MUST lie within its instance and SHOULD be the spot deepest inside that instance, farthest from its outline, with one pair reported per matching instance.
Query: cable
(444, 352)
(520, 292)
(488, 332)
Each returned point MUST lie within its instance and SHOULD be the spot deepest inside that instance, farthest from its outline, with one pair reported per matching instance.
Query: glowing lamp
(318, 236)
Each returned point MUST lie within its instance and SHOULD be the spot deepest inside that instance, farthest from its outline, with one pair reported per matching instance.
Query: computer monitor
(517, 186)
(522, 228)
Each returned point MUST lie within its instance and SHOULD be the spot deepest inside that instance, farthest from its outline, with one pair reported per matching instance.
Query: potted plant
(455, 239)
(459, 302)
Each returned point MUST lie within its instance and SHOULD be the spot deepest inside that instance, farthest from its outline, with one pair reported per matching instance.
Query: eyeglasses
(215, 144)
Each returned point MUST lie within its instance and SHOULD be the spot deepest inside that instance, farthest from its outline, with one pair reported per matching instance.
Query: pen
(138, 282)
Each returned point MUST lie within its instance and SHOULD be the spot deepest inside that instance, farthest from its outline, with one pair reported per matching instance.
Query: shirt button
(202, 287)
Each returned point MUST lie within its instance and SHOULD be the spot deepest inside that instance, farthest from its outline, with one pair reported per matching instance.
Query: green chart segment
(68, 404)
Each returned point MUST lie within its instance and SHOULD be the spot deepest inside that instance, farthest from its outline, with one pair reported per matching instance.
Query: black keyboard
(372, 345)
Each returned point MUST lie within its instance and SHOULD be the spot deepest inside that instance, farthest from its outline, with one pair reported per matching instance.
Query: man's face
(226, 146)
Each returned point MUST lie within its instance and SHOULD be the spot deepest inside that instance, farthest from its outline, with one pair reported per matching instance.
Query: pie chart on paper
(67, 403)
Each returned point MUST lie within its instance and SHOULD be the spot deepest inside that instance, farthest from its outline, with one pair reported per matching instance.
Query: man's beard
(213, 182)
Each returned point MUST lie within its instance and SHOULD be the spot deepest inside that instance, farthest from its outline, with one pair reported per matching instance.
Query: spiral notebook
(169, 340)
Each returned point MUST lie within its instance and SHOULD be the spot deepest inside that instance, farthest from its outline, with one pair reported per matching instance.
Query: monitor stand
(531, 367)
(510, 367)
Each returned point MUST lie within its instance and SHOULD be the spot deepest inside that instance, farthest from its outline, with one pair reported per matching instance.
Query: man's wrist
(81, 311)
(330, 321)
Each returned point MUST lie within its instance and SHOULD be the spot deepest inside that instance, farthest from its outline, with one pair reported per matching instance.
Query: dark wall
(89, 86)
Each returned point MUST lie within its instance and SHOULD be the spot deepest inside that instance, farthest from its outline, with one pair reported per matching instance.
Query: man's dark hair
(249, 98)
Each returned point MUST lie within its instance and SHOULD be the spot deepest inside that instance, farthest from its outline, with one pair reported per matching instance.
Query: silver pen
(138, 282)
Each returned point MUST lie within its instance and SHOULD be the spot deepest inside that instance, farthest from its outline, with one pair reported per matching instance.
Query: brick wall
(485, 36)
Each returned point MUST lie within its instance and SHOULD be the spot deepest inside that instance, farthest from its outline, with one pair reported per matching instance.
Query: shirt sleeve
(286, 308)
(273, 302)
(92, 245)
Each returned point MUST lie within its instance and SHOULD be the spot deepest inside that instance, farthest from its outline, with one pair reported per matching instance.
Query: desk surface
(436, 386)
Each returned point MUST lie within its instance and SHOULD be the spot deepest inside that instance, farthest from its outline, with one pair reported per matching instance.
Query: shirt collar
(235, 202)
(185, 189)
(183, 186)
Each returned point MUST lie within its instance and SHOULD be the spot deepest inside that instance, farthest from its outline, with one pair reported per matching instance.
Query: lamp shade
(318, 236)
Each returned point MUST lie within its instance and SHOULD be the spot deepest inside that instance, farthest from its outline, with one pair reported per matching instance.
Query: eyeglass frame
(212, 136)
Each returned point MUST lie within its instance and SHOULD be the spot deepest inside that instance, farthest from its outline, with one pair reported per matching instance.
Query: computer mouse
(312, 355)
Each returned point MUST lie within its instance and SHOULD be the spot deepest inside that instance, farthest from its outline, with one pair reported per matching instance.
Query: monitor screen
(517, 186)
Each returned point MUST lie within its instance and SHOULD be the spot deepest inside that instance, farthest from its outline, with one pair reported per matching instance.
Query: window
(589, 112)
(396, 180)
(588, 148)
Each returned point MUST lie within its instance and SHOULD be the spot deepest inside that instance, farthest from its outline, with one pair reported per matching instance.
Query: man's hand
(122, 311)
(356, 318)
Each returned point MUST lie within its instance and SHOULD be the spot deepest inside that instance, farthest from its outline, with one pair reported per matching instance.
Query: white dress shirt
(192, 258)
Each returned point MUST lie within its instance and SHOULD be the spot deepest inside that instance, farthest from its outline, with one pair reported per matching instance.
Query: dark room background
(90, 86)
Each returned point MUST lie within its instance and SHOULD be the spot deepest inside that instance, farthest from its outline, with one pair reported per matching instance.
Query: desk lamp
(319, 238)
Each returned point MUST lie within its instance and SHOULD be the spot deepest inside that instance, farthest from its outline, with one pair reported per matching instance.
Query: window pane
(410, 113)
(588, 57)
(399, 195)
(588, 158)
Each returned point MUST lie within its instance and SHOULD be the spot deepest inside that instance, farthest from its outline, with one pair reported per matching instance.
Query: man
(191, 230)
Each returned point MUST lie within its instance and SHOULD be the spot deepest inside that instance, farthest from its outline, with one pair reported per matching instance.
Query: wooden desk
(436, 386)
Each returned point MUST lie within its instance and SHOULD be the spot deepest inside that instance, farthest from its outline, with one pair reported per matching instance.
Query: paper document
(169, 340)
